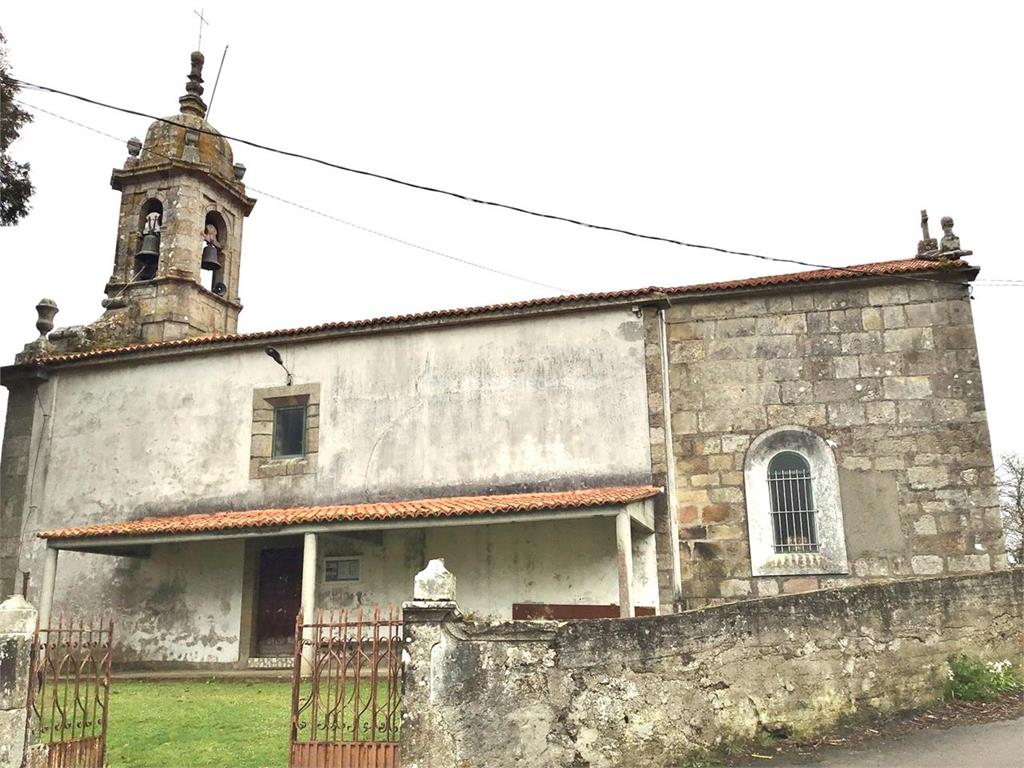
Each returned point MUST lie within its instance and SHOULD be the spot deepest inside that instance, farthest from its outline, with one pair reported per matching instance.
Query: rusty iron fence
(69, 693)
(346, 690)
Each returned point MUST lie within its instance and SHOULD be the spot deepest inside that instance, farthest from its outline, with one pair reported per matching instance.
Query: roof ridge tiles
(856, 271)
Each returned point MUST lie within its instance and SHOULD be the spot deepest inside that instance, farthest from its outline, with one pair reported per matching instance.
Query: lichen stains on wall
(656, 691)
(181, 604)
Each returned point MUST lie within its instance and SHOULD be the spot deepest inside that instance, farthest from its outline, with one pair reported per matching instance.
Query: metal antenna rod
(213, 94)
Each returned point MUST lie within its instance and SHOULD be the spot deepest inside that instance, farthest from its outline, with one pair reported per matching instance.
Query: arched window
(792, 501)
(215, 234)
(794, 510)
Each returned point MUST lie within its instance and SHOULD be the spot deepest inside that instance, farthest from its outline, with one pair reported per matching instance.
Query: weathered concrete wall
(498, 565)
(181, 604)
(888, 375)
(652, 691)
(552, 402)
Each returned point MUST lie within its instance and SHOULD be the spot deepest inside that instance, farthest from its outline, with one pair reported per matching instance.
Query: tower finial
(192, 102)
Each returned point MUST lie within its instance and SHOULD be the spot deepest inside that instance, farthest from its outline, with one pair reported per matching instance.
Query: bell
(149, 251)
(211, 257)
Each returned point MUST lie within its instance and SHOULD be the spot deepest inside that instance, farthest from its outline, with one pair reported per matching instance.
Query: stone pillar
(21, 439)
(433, 605)
(308, 597)
(17, 629)
(49, 584)
(624, 545)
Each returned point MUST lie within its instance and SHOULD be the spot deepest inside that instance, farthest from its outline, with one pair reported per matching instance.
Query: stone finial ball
(947, 221)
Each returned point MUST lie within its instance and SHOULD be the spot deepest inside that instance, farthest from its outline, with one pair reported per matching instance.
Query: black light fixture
(274, 355)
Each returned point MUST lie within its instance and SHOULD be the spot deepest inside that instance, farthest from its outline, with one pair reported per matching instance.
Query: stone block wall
(886, 372)
(655, 691)
(15, 475)
(17, 630)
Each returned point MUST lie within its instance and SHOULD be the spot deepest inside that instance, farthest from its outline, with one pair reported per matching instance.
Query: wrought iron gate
(68, 696)
(346, 690)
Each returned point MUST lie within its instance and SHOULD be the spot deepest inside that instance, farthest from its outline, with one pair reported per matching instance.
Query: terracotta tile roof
(456, 506)
(883, 268)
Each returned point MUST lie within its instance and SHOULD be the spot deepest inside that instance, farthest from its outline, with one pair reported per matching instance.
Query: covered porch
(574, 554)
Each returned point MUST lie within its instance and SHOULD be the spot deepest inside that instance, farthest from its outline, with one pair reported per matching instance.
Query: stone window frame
(764, 560)
(262, 464)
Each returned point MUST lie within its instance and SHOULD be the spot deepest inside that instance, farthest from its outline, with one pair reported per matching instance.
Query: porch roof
(382, 512)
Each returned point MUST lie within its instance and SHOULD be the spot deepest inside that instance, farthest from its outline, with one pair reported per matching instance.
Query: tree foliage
(1011, 502)
(15, 185)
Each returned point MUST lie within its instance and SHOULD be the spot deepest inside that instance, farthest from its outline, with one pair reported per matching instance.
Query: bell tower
(179, 235)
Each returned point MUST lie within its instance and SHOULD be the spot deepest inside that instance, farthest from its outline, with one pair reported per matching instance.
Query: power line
(814, 265)
(384, 235)
(469, 198)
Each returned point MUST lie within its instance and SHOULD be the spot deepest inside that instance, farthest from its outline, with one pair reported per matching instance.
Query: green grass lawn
(181, 724)
(185, 724)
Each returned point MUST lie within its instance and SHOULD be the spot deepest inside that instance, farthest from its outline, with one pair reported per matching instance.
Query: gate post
(433, 605)
(17, 633)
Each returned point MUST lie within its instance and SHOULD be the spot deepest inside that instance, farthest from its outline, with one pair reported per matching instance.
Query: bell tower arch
(179, 240)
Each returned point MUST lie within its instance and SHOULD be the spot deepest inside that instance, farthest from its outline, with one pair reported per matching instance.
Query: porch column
(308, 597)
(624, 544)
(49, 582)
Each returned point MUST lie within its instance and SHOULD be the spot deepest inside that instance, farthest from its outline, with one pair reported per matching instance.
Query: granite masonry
(887, 374)
(659, 691)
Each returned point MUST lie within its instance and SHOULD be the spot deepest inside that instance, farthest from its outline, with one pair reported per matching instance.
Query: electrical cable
(480, 201)
(465, 197)
(384, 235)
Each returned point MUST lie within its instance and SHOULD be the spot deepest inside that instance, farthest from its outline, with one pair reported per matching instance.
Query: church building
(609, 454)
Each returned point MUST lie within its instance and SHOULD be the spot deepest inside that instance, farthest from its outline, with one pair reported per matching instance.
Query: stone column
(49, 584)
(624, 545)
(308, 598)
(17, 630)
(433, 606)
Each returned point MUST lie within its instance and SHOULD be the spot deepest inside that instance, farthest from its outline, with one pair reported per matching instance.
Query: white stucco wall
(546, 402)
(185, 599)
(571, 561)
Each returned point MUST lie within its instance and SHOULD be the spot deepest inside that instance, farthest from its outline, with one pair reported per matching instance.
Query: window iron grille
(794, 527)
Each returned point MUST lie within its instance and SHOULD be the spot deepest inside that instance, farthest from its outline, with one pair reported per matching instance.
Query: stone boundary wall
(653, 691)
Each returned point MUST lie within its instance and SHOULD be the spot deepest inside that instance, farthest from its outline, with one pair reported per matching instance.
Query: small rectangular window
(289, 431)
(341, 569)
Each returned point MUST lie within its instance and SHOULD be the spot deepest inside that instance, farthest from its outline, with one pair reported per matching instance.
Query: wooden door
(277, 601)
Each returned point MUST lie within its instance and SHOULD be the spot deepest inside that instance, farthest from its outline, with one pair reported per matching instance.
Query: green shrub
(975, 680)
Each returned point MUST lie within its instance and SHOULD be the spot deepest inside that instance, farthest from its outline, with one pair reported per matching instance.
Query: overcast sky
(809, 130)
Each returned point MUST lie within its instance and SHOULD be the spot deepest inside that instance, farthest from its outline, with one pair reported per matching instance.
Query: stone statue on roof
(946, 249)
(950, 243)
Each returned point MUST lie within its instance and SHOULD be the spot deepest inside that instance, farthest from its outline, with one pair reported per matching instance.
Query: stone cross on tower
(202, 21)
(927, 245)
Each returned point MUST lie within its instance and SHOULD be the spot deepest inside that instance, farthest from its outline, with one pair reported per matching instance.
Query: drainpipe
(670, 460)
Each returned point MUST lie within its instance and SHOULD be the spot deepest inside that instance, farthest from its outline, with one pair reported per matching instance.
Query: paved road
(987, 745)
